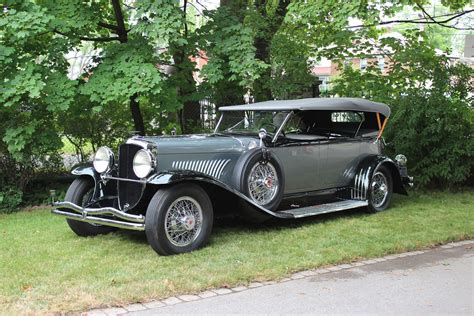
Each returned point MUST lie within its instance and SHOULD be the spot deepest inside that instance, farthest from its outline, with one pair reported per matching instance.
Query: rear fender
(364, 172)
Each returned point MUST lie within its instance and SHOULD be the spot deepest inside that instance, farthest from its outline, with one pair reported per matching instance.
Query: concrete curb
(295, 276)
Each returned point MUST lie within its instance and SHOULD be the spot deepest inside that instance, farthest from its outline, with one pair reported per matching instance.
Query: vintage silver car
(284, 159)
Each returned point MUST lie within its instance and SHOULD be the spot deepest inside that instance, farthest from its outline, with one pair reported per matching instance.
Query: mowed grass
(44, 267)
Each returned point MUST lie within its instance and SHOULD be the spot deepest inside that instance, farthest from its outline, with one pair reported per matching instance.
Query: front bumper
(114, 217)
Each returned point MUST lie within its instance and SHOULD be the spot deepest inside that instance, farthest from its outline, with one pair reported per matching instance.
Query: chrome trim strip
(206, 169)
(218, 123)
(325, 208)
(219, 168)
(101, 221)
(281, 126)
(213, 168)
(366, 183)
(141, 143)
(123, 179)
(200, 166)
(84, 212)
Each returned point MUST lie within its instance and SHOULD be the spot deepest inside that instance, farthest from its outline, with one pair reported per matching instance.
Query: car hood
(196, 144)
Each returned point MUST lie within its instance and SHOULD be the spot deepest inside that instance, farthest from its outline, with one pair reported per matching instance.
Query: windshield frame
(277, 133)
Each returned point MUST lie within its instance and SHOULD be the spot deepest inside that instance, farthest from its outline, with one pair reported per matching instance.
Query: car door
(299, 155)
(300, 163)
(341, 154)
(339, 157)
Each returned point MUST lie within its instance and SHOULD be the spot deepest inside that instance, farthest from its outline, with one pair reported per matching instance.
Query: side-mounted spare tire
(259, 176)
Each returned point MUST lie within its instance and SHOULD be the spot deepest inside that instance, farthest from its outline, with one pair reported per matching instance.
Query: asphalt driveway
(437, 281)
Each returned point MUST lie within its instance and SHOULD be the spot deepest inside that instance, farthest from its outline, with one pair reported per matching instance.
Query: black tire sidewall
(156, 212)
(388, 175)
(78, 188)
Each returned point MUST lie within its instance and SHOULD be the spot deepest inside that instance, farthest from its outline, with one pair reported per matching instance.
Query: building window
(381, 62)
(324, 86)
(363, 64)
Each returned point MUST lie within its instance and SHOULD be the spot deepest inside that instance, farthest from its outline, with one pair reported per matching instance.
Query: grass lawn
(44, 267)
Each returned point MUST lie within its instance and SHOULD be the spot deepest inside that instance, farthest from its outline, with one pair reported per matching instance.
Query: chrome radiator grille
(129, 193)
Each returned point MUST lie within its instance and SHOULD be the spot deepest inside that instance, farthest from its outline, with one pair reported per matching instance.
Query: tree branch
(91, 39)
(121, 31)
(440, 23)
(422, 21)
(108, 26)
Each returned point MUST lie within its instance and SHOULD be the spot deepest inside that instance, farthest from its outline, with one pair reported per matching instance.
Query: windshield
(250, 122)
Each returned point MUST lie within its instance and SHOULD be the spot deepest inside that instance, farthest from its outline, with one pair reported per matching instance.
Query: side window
(295, 125)
(347, 117)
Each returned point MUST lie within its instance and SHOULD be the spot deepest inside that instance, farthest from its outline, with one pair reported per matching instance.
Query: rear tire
(79, 193)
(380, 190)
(179, 219)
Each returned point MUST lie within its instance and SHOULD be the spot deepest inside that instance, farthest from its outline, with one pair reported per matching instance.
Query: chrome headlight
(103, 159)
(401, 160)
(142, 163)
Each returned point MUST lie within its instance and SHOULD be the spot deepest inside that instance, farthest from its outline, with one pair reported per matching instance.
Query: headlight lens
(103, 159)
(401, 160)
(142, 163)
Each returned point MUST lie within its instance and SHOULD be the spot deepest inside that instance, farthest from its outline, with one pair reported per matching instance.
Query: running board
(324, 208)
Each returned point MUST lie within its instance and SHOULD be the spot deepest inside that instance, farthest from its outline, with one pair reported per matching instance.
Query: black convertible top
(344, 104)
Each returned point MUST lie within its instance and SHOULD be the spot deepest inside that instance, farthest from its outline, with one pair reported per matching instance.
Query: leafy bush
(435, 133)
(10, 199)
(432, 118)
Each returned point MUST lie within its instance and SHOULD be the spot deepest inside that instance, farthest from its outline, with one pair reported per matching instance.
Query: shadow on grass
(235, 223)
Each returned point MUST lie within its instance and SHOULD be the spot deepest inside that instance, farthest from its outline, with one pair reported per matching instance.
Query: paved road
(437, 282)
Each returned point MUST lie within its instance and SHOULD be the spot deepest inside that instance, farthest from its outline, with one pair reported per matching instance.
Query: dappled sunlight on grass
(46, 268)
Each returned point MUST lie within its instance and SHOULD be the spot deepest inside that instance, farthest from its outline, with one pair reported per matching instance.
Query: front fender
(171, 177)
(85, 169)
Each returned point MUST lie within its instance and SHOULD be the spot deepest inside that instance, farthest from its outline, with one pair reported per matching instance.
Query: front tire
(179, 219)
(80, 193)
(380, 190)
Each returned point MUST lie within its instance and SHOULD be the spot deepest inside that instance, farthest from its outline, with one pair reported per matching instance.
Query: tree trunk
(262, 42)
(190, 115)
(121, 31)
(137, 115)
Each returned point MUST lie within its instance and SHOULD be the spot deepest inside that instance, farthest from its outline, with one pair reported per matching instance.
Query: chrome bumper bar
(121, 219)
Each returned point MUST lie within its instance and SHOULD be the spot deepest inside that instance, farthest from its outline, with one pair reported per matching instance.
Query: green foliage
(10, 199)
(431, 98)
(125, 70)
(231, 52)
(435, 132)
(290, 67)
(261, 48)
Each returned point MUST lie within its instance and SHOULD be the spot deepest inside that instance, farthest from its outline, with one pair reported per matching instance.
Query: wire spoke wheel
(263, 183)
(380, 189)
(183, 221)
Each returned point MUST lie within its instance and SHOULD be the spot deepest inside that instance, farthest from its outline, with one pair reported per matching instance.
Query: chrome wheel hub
(188, 222)
(263, 183)
(183, 221)
(379, 189)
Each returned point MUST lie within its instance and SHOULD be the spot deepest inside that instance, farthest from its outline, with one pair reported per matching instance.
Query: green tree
(431, 100)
